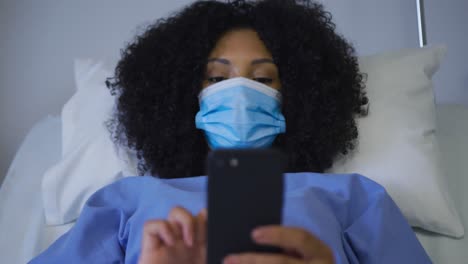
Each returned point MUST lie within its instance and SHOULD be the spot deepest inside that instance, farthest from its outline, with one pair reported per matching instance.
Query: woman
(182, 86)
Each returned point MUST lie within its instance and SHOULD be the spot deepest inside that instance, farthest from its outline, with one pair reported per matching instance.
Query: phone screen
(245, 191)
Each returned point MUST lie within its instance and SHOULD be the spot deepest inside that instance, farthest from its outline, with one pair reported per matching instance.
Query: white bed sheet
(22, 223)
(452, 122)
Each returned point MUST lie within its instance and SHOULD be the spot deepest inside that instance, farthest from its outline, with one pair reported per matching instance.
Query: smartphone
(245, 191)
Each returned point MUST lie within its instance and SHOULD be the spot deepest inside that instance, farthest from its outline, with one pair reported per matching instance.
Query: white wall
(447, 22)
(38, 42)
(375, 26)
(40, 39)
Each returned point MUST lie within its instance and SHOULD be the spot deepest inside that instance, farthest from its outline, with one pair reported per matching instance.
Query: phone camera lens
(234, 162)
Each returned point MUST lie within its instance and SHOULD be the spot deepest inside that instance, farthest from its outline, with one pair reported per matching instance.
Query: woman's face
(241, 53)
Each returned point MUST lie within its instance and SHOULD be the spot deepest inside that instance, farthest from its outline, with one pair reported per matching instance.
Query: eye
(215, 79)
(263, 80)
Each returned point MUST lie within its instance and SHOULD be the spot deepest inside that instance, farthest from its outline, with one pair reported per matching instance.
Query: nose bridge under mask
(239, 100)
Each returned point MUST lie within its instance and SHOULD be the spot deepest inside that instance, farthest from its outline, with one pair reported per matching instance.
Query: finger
(186, 220)
(150, 239)
(176, 230)
(204, 213)
(201, 226)
(257, 258)
(155, 233)
(291, 238)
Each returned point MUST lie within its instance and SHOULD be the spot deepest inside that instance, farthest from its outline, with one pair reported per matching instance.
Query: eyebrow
(227, 62)
(265, 60)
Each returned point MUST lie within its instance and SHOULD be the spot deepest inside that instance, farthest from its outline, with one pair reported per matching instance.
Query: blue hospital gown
(352, 214)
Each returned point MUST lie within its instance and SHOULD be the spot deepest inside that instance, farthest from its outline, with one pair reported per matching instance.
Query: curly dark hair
(160, 74)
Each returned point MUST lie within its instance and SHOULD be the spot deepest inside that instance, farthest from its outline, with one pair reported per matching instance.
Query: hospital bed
(23, 229)
(22, 224)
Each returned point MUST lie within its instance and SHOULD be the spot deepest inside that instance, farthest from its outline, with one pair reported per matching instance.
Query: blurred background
(40, 39)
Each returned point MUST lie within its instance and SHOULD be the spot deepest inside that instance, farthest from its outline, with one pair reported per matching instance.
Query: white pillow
(397, 145)
(90, 159)
(397, 141)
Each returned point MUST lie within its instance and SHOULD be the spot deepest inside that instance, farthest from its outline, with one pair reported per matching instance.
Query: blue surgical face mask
(240, 113)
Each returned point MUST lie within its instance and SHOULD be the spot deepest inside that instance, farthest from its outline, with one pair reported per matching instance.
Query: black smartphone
(245, 191)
